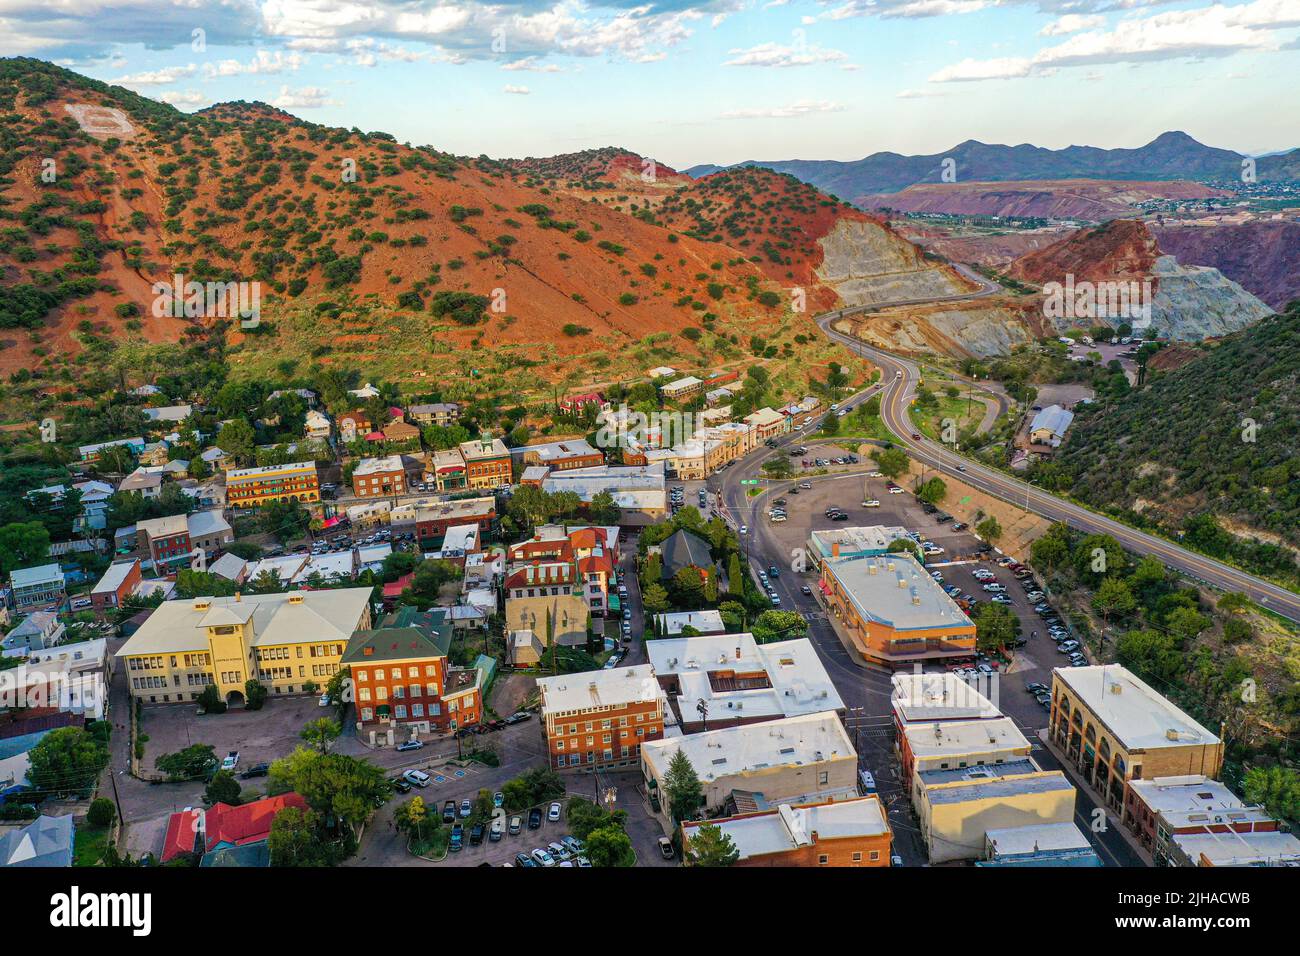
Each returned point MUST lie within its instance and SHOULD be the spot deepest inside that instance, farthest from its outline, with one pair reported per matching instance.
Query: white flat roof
(788, 828)
(1241, 849)
(956, 737)
(1187, 793)
(945, 696)
(376, 466)
(896, 591)
(1138, 716)
(1013, 841)
(113, 577)
(41, 574)
(790, 741)
(860, 539)
(618, 686)
(706, 622)
(799, 682)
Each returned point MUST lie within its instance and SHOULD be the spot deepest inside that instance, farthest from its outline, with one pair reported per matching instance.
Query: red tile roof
(182, 834)
(250, 823)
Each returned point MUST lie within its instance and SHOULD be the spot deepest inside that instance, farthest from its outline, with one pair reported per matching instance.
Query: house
(306, 394)
(766, 423)
(685, 549)
(118, 583)
(1115, 729)
(487, 463)
(433, 519)
(365, 391)
(39, 630)
(231, 567)
(168, 540)
(39, 588)
(723, 680)
(525, 649)
(796, 760)
(401, 675)
(184, 836)
(155, 453)
(134, 445)
(1050, 425)
(286, 641)
(661, 371)
(401, 432)
(379, 477)
(577, 404)
(599, 720)
(889, 611)
(317, 425)
(354, 424)
(546, 597)
(852, 832)
(146, 484)
(168, 413)
(225, 826)
(46, 842)
(681, 388)
(209, 530)
(436, 413)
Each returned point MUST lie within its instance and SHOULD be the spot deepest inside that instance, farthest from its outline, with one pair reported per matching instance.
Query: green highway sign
(749, 481)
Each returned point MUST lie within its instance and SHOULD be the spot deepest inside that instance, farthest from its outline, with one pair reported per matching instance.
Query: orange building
(890, 612)
(401, 675)
(487, 463)
(843, 833)
(379, 477)
(598, 720)
(249, 487)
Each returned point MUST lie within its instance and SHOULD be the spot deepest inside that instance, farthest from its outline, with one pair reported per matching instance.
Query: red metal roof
(182, 835)
(250, 823)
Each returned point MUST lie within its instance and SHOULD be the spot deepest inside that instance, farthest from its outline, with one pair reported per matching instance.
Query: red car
(916, 436)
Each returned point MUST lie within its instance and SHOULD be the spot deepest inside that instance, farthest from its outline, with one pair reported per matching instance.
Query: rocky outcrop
(1197, 302)
(982, 328)
(866, 263)
(1264, 257)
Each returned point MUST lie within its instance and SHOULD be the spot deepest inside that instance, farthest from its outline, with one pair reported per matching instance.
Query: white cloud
(800, 108)
(1072, 23)
(917, 94)
(776, 55)
(187, 98)
(1213, 31)
(303, 98)
(518, 90)
(263, 62)
(169, 74)
(532, 64)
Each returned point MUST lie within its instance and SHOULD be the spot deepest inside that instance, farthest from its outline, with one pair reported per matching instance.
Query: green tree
(236, 438)
(294, 840)
(1052, 549)
(23, 544)
(989, 529)
(66, 760)
(255, 693)
(192, 763)
(933, 491)
(320, 733)
(682, 788)
(709, 846)
(892, 462)
(101, 812)
(334, 785)
(222, 788)
(1112, 598)
(1276, 789)
(412, 818)
(995, 626)
(610, 846)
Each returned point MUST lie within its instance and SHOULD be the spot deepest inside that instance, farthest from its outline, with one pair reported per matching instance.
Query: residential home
(317, 425)
(354, 424)
(91, 452)
(231, 567)
(1050, 425)
(39, 588)
(681, 388)
(168, 413)
(401, 432)
(39, 630)
(45, 842)
(577, 404)
(436, 413)
(146, 484)
(117, 584)
(685, 549)
(225, 827)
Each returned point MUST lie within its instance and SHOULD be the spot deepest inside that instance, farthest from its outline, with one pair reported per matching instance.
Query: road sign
(749, 481)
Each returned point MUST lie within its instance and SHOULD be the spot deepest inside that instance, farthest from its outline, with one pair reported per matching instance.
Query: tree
(101, 812)
(1233, 602)
(293, 840)
(995, 626)
(776, 625)
(1052, 549)
(254, 694)
(709, 846)
(222, 788)
(321, 732)
(334, 785)
(192, 763)
(655, 599)
(688, 587)
(210, 701)
(1276, 789)
(411, 818)
(1186, 623)
(66, 760)
(287, 520)
(236, 439)
(1113, 597)
(990, 529)
(892, 462)
(602, 510)
(683, 789)
(23, 544)
(735, 577)
(932, 491)
(610, 846)
(778, 467)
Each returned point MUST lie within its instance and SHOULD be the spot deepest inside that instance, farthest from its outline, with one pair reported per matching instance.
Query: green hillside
(1202, 451)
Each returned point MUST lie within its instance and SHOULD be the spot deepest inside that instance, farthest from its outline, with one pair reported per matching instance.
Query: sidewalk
(1070, 770)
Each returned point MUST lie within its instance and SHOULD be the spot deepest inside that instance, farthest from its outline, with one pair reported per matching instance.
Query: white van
(866, 782)
(417, 778)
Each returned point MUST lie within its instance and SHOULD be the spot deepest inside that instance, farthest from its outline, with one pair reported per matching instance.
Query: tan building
(1115, 728)
(547, 598)
(285, 641)
(958, 745)
(795, 760)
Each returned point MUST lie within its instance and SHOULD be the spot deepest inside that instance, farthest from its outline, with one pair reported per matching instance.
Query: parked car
(806, 590)
(554, 813)
(406, 745)
(449, 812)
(516, 824)
(400, 785)
(498, 799)
(457, 837)
(324, 700)
(573, 843)
(558, 850)
(523, 859)
(534, 818)
(417, 778)
(231, 760)
(466, 808)
(476, 834)
(543, 858)
(666, 848)
(256, 770)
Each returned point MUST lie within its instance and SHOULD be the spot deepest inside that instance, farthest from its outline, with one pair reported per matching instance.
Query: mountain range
(1171, 155)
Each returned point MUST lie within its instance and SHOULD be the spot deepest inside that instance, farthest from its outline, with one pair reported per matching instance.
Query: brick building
(599, 719)
(487, 463)
(379, 477)
(843, 833)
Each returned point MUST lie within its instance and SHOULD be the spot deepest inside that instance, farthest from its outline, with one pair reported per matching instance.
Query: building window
(823, 859)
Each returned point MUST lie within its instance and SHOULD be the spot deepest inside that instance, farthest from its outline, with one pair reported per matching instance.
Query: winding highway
(899, 378)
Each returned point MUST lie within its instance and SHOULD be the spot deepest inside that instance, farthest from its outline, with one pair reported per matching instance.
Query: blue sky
(717, 81)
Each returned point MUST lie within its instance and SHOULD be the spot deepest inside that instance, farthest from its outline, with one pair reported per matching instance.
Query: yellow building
(249, 487)
(285, 641)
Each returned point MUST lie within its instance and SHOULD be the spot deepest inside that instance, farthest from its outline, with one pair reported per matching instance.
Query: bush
(102, 813)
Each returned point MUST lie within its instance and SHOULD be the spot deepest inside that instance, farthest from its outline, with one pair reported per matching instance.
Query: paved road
(899, 380)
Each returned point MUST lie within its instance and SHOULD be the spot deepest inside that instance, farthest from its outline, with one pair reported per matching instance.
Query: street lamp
(702, 708)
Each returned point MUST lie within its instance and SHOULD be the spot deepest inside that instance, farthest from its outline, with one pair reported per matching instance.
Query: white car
(871, 503)
(875, 474)
(543, 858)
(324, 700)
(554, 813)
(896, 490)
(744, 529)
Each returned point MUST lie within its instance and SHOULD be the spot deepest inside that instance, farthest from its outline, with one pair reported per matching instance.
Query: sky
(706, 81)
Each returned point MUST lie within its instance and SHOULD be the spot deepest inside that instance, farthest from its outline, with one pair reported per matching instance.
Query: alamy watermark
(663, 429)
(199, 300)
(1129, 301)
